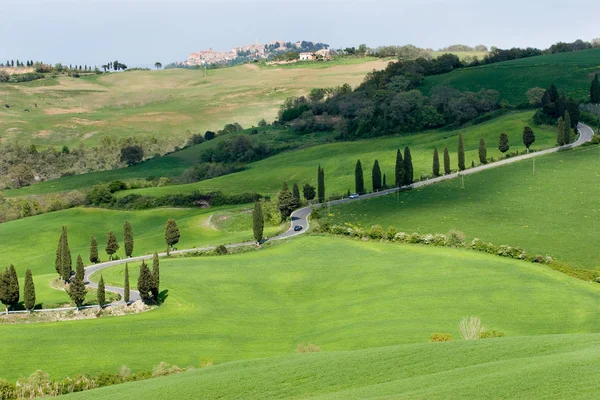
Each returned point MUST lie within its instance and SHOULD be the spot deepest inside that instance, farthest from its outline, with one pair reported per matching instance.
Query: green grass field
(549, 367)
(555, 211)
(339, 159)
(340, 294)
(570, 72)
(171, 102)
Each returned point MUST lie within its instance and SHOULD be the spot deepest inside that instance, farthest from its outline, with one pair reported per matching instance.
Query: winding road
(300, 216)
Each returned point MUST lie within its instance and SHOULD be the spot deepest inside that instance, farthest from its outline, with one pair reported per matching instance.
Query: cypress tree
(482, 152)
(126, 290)
(155, 276)
(321, 185)
(384, 184)
(59, 249)
(101, 291)
(561, 105)
(376, 176)
(408, 167)
(528, 137)
(553, 93)
(595, 90)
(93, 250)
(359, 182)
(128, 239)
(573, 110)
(172, 234)
(503, 145)
(461, 153)
(567, 127)
(560, 137)
(9, 287)
(436, 162)
(29, 291)
(111, 245)
(79, 269)
(296, 196)
(258, 222)
(285, 201)
(77, 290)
(66, 263)
(400, 172)
(446, 161)
(145, 283)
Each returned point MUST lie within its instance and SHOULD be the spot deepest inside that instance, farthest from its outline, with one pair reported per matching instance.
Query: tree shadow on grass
(162, 296)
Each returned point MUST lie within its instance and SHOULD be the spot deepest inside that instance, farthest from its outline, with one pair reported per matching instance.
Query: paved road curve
(300, 216)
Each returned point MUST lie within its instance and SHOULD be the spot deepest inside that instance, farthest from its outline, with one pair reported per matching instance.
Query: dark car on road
(297, 228)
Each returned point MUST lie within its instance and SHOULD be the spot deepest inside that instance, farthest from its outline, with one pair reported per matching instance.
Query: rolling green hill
(549, 367)
(570, 72)
(338, 294)
(554, 211)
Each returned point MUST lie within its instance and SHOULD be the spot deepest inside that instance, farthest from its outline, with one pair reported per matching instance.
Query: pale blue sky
(140, 32)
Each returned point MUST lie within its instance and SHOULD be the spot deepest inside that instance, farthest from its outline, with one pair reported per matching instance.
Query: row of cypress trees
(148, 282)
(9, 289)
(403, 173)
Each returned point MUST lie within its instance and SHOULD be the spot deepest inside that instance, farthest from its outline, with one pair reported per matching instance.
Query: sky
(141, 32)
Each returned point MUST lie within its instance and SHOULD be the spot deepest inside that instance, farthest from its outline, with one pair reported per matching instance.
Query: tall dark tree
(66, 260)
(128, 239)
(101, 292)
(93, 250)
(258, 222)
(574, 112)
(567, 128)
(126, 290)
(400, 172)
(447, 169)
(285, 201)
(384, 184)
(59, 249)
(145, 283)
(553, 93)
(172, 234)
(560, 136)
(321, 185)
(9, 288)
(155, 275)
(376, 176)
(309, 192)
(29, 291)
(436, 163)
(595, 90)
(408, 167)
(77, 291)
(296, 196)
(79, 268)
(503, 145)
(528, 137)
(111, 245)
(561, 105)
(359, 181)
(482, 151)
(461, 153)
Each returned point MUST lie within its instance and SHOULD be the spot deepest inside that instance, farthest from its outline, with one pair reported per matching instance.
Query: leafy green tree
(595, 90)
(128, 239)
(436, 162)
(446, 161)
(285, 201)
(503, 145)
(111, 245)
(400, 172)
(158, 65)
(155, 276)
(482, 151)
(309, 192)
(321, 185)
(101, 292)
(528, 137)
(567, 128)
(258, 222)
(132, 155)
(376, 177)
(9, 288)
(93, 250)
(461, 153)
(359, 182)
(145, 283)
(172, 234)
(29, 291)
(408, 167)
(296, 196)
(126, 290)
(560, 137)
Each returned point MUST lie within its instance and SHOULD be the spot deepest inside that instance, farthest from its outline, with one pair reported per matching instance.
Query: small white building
(307, 57)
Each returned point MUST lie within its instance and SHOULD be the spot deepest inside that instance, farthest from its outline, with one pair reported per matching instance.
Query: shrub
(221, 250)
(116, 186)
(205, 362)
(414, 238)
(376, 232)
(456, 238)
(491, 334)
(401, 237)
(163, 369)
(307, 348)
(391, 233)
(440, 337)
(512, 252)
(485, 247)
(470, 328)
(8, 390)
(440, 240)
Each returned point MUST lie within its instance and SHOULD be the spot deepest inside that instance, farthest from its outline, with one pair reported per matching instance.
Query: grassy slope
(339, 159)
(169, 102)
(571, 72)
(340, 295)
(554, 212)
(517, 368)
